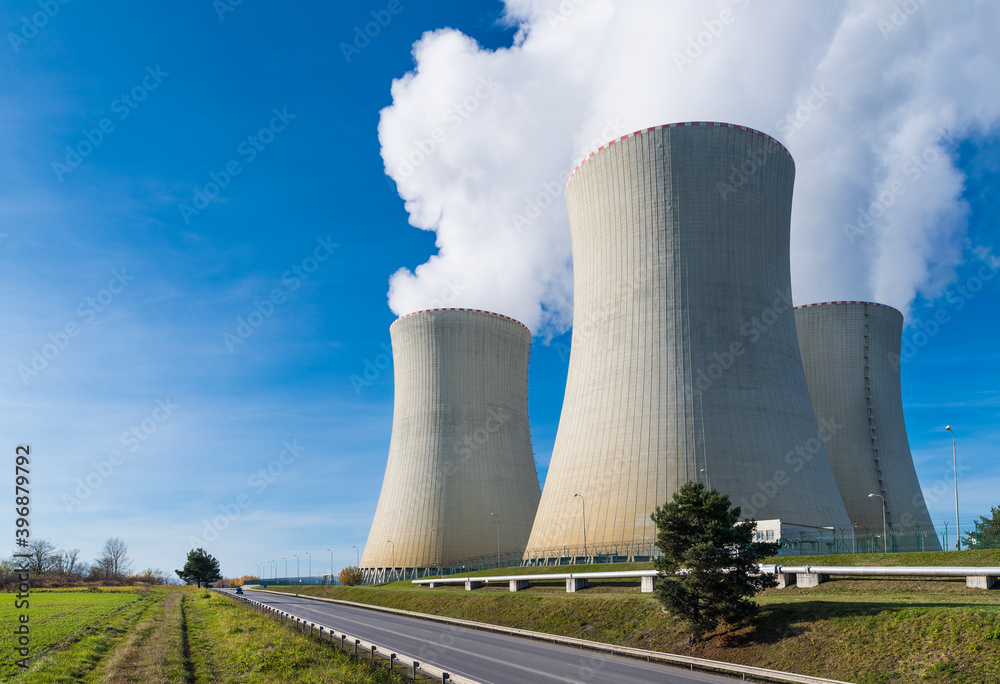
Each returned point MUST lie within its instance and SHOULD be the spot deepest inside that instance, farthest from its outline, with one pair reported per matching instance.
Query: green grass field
(869, 631)
(168, 635)
(57, 618)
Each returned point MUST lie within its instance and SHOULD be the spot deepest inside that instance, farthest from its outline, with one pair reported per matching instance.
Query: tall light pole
(296, 566)
(286, 565)
(310, 564)
(357, 555)
(275, 568)
(954, 456)
(437, 551)
(885, 538)
(498, 538)
(707, 477)
(584, 523)
(393, 556)
(331, 566)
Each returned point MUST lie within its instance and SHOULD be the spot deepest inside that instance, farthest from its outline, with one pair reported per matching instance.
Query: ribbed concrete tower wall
(684, 355)
(460, 447)
(850, 353)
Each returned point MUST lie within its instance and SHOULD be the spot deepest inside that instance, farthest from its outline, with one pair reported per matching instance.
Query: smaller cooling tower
(850, 353)
(460, 448)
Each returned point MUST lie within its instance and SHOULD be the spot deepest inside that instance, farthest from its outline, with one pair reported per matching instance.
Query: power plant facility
(684, 362)
(460, 481)
(850, 353)
(688, 363)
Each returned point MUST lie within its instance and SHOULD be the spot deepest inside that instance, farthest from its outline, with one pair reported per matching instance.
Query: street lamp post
(707, 477)
(286, 565)
(584, 524)
(310, 564)
(296, 566)
(954, 456)
(498, 538)
(885, 537)
(331, 566)
(393, 573)
(357, 555)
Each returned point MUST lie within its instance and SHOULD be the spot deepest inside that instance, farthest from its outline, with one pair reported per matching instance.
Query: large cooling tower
(850, 352)
(460, 446)
(684, 356)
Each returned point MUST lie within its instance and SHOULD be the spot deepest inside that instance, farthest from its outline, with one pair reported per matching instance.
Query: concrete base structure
(981, 582)
(807, 580)
(648, 585)
(469, 585)
(786, 580)
(518, 585)
(574, 584)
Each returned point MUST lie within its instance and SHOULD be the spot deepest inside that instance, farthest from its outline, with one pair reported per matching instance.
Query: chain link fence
(822, 541)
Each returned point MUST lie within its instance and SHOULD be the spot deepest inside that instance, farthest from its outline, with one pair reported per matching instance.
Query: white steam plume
(867, 96)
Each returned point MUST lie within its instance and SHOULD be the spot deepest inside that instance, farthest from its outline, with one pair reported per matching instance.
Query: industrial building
(460, 480)
(850, 353)
(684, 362)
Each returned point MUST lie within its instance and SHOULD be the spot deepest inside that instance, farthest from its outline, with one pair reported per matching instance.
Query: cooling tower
(684, 356)
(460, 446)
(850, 353)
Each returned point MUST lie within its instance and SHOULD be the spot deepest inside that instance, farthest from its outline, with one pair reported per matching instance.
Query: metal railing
(832, 542)
(685, 661)
(348, 640)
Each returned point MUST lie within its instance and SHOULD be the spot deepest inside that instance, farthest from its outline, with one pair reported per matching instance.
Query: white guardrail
(362, 645)
(801, 575)
(642, 654)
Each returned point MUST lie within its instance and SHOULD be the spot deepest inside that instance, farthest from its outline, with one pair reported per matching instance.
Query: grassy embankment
(853, 629)
(167, 634)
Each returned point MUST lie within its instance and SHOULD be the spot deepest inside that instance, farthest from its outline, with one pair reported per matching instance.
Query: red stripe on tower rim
(479, 311)
(720, 124)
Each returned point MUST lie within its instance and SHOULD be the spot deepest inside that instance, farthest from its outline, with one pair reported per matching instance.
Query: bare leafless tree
(114, 560)
(70, 561)
(42, 555)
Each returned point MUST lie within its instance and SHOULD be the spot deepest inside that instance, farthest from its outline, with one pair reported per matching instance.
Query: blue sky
(172, 340)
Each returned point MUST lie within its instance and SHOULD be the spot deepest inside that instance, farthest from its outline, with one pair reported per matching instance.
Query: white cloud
(860, 92)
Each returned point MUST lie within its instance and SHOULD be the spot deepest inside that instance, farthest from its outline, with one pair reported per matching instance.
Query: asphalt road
(484, 656)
